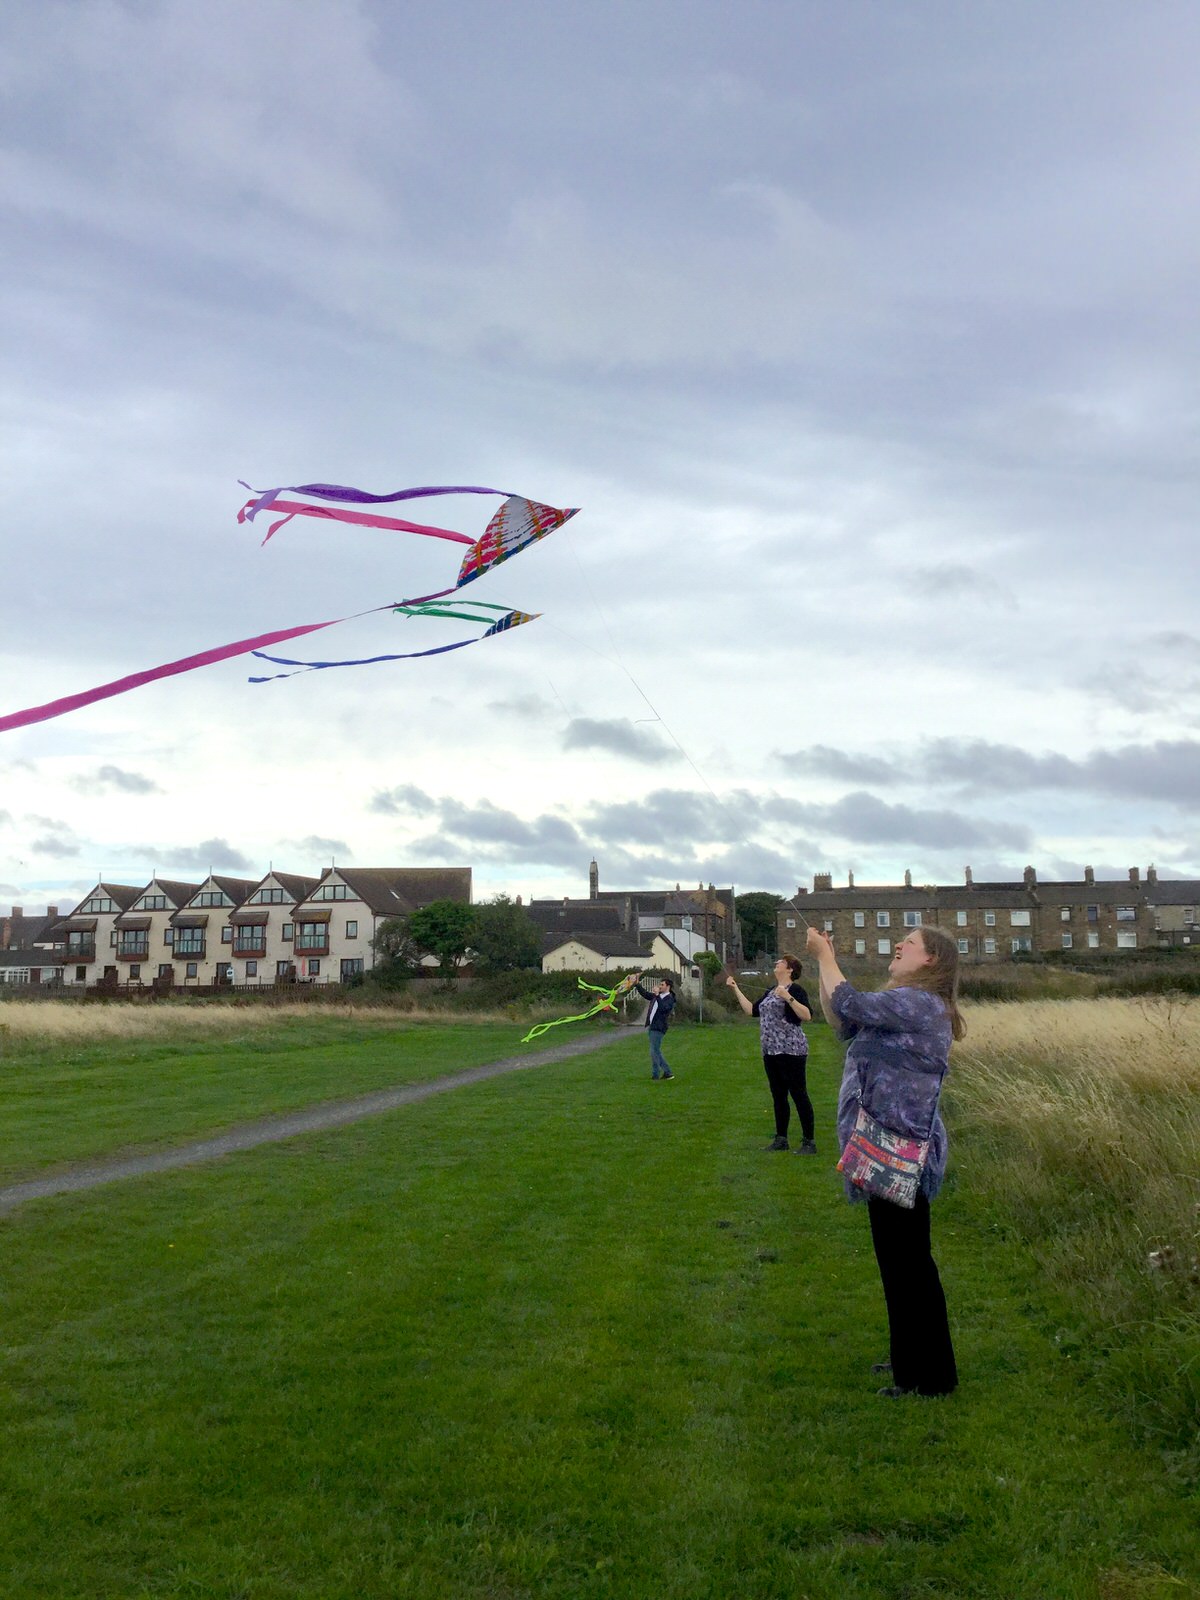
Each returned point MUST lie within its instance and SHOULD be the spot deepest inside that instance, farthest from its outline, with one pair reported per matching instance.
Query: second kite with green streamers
(606, 1002)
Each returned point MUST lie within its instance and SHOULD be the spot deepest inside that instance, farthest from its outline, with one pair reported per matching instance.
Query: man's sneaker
(881, 1368)
(779, 1142)
(668, 1074)
(807, 1148)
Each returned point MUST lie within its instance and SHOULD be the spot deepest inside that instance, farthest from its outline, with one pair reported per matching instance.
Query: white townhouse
(145, 934)
(263, 944)
(335, 924)
(202, 934)
(89, 932)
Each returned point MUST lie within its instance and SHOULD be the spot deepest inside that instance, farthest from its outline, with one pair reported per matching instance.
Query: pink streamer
(365, 519)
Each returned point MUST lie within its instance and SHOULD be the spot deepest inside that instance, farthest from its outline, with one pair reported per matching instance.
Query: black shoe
(779, 1142)
(893, 1392)
(881, 1367)
(667, 1075)
(807, 1148)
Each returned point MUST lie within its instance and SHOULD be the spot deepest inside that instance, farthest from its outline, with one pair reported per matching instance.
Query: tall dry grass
(50, 1021)
(1079, 1125)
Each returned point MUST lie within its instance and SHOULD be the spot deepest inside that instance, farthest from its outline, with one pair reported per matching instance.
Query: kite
(606, 1002)
(519, 522)
(509, 619)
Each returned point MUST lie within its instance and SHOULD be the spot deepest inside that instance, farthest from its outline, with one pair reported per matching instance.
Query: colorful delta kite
(517, 523)
(606, 1002)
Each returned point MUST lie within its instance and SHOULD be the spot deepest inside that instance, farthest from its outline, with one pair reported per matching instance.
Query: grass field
(566, 1333)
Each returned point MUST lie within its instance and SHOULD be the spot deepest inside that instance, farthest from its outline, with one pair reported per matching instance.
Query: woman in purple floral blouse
(899, 1053)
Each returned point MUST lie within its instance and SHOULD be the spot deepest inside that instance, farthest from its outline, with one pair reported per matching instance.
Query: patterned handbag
(882, 1163)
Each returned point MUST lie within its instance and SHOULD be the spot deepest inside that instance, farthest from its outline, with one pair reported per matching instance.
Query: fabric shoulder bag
(884, 1164)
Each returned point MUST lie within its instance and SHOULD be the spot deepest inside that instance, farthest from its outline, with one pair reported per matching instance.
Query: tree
(757, 914)
(443, 929)
(396, 954)
(709, 963)
(505, 936)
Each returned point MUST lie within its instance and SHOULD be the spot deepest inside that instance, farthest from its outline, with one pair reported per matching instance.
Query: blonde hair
(940, 977)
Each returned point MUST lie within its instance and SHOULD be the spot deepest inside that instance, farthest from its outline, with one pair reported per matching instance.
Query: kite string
(615, 660)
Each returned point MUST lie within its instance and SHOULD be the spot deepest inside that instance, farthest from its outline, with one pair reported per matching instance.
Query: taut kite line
(517, 523)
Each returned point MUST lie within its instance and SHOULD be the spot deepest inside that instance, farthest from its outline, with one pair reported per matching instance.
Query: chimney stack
(822, 880)
(907, 879)
(1152, 876)
(1030, 878)
(1089, 876)
(967, 878)
(849, 880)
(1134, 875)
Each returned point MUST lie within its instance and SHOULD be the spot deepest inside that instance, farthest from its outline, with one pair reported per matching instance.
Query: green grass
(565, 1334)
(68, 1101)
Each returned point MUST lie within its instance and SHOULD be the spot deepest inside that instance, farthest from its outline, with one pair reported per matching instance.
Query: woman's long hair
(940, 977)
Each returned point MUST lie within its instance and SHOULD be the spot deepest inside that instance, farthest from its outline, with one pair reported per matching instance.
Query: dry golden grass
(70, 1021)
(1137, 1043)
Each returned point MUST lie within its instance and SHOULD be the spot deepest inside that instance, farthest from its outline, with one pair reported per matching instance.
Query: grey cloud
(315, 845)
(865, 818)
(54, 845)
(620, 737)
(401, 801)
(11, 889)
(1165, 770)
(823, 761)
(109, 777)
(209, 854)
(5, 819)
(526, 707)
(52, 823)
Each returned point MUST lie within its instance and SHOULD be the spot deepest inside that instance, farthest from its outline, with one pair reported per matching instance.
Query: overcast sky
(864, 335)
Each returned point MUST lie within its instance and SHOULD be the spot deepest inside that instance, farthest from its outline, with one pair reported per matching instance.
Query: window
(789, 922)
(168, 935)
(860, 947)
(352, 930)
(1064, 913)
(912, 919)
(828, 924)
(98, 902)
(1018, 919)
(287, 931)
(1093, 940)
(314, 969)
(312, 936)
(135, 971)
(112, 939)
(283, 969)
(189, 941)
(884, 947)
(989, 947)
(960, 918)
(333, 891)
(191, 969)
(212, 897)
(1126, 913)
(252, 969)
(883, 919)
(1068, 939)
(80, 974)
(1189, 915)
(1022, 944)
(153, 902)
(1093, 913)
(964, 947)
(226, 934)
(268, 897)
(1126, 939)
(989, 919)
(164, 969)
(860, 919)
(352, 968)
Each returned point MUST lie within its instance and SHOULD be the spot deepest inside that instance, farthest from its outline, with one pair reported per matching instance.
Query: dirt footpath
(288, 1124)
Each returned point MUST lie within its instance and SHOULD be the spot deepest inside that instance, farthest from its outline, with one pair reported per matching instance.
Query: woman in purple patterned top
(899, 1053)
(781, 1014)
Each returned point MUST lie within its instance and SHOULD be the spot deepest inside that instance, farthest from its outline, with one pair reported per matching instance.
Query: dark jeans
(787, 1075)
(922, 1354)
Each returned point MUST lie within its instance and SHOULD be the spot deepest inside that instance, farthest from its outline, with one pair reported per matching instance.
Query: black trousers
(921, 1352)
(788, 1076)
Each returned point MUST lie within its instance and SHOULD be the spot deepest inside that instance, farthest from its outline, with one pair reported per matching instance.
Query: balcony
(313, 944)
(191, 950)
(133, 950)
(85, 951)
(250, 947)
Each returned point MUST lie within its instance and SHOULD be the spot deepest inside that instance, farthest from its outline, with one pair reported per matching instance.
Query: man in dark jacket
(662, 1003)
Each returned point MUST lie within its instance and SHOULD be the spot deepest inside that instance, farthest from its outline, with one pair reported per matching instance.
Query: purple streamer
(334, 491)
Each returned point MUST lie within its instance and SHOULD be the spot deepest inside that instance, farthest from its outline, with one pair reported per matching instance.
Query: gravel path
(286, 1125)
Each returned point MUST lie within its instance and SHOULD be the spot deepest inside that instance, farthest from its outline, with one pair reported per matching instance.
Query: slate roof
(561, 917)
(396, 891)
(603, 944)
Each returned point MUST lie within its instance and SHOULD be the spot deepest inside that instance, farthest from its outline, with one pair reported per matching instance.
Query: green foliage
(443, 929)
(709, 963)
(505, 937)
(396, 953)
(756, 913)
